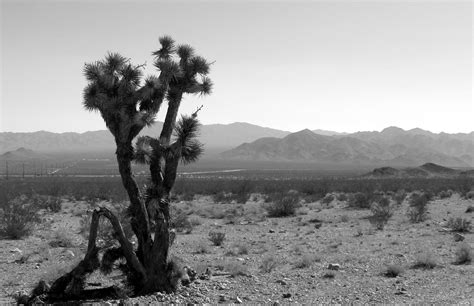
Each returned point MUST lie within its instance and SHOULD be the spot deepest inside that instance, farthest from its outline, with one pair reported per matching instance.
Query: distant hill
(392, 147)
(216, 138)
(425, 170)
(22, 154)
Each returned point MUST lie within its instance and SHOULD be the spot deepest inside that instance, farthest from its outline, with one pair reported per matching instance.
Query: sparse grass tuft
(425, 261)
(217, 238)
(269, 263)
(464, 254)
(306, 261)
(393, 270)
(201, 248)
(460, 225)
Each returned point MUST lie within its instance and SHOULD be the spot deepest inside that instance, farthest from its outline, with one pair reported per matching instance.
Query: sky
(341, 65)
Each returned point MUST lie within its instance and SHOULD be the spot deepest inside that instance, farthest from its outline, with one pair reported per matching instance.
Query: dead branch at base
(70, 286)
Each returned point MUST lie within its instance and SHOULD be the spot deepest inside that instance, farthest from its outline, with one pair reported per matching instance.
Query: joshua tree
(127, 104)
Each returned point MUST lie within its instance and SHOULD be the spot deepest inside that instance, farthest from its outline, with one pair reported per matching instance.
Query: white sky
(335, 65)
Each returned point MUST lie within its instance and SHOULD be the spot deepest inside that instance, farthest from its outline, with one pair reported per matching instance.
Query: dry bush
(269, 263)
(399, 196)
(17, 217)
(444, 194)
(459, 224)
(306, 261)
(418, 210)
(464, 254)
(61, 239)
(201, 248)
(283, 205)
(217, 238)
(358, 200)
(342, 197)
(179, 220)
(238, 249)
(470, 209)
(382, 211)
(425, 261)
(393, 270)
(327, 199)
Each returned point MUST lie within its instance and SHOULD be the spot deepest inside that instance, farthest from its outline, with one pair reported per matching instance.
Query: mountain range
(391, 147)
(247, 142)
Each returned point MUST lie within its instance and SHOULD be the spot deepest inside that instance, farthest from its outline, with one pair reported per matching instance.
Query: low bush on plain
(425, 261)
(269, 263)
(382, 211)
(459, 224)
(17, 217)
(327, 199)
(418, 210)
(358, 200)
(305, 261)
(464, 254)
(283, 206)
(399, 196)
(217, 238)
(393, 270)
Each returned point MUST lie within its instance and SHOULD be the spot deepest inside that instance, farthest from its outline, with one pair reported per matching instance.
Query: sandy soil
(299, 251)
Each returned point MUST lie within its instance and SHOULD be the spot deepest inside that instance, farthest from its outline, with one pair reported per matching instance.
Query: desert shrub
(51, 203)
(236, 269)
(345, 218)
(238, 249)
(268, 264)
(17, 217)
(217, 238)
(459, 224)
(470, 209)
(470, 195)
(417, 212)
(327, 199)
(201, 248)
(382, 211)
(358, 200)
(425, 261)
(61, 239)
(464, 254)
(179, 220)
(393, 270)
(444, 194)
(399, 196)
(195, 220)
(342, 197)
(305, 261)
(283, 206)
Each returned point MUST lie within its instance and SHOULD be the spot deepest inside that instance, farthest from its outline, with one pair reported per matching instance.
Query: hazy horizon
(343, 66)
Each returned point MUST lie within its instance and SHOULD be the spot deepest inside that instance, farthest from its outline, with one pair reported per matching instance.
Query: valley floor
(268, 260)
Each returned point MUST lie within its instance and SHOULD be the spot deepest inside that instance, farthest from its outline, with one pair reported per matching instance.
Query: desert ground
(324, 253)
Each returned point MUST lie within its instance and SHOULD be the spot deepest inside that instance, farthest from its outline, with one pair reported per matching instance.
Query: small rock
(16, 250)
(458, 237)
(281, 282)
(222, 298)
(240, 259)
(286, 295)
(335, 267)
(238, 300)
(271, 231)
(70, 253)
